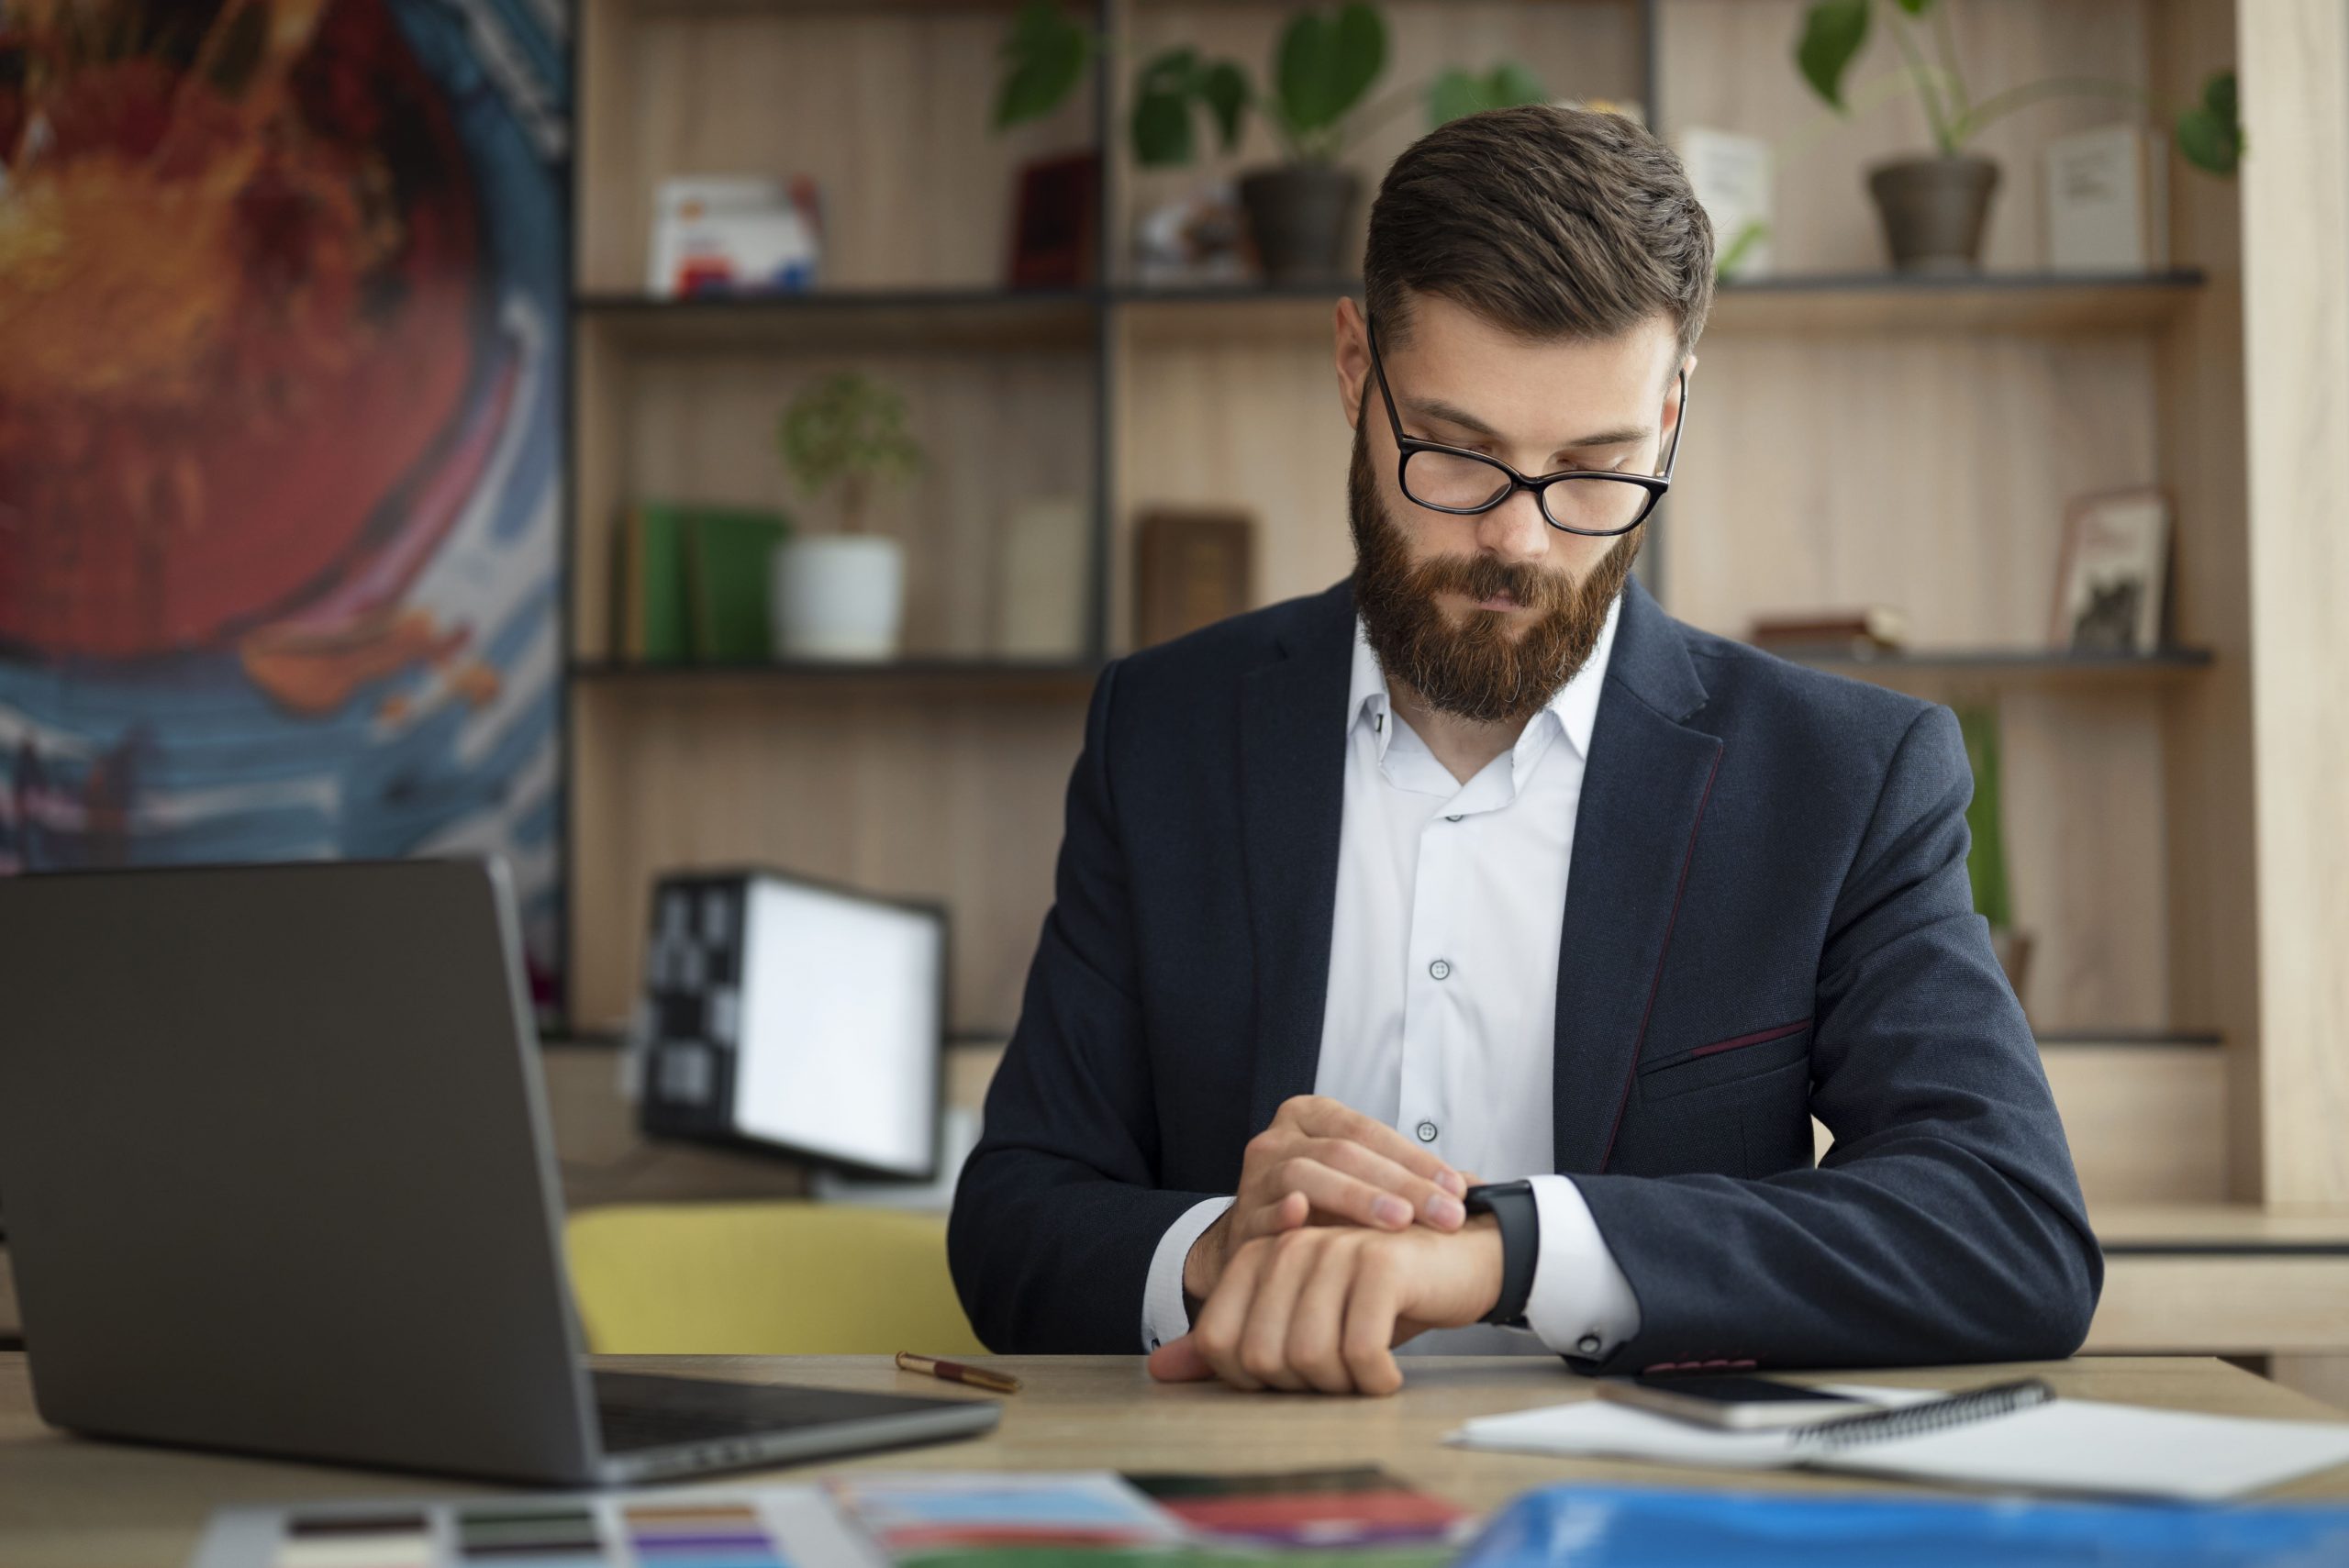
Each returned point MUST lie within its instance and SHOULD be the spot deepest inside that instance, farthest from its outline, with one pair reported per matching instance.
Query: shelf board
(2129, 1040)
(846, 319)
(2199, 1230)
(1005, 677)
(2014, 665)
(1836, 301)
(2005, 302)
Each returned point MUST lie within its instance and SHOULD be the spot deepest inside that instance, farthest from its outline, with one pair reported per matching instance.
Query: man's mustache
(1489, 577)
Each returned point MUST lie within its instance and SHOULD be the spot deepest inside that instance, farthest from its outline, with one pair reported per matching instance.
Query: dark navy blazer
(1767, 919)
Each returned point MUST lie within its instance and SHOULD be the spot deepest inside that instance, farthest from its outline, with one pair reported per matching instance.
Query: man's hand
(1322, 1307)
(1325, 1162)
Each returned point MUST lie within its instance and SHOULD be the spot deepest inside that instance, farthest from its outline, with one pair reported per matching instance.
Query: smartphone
(1732, 1404)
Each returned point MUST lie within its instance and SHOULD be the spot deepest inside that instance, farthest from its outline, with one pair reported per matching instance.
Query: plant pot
(839, 597)
(1301, 216)
(1935, 210)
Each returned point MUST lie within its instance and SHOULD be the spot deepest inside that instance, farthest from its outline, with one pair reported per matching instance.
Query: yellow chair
(765, 1279)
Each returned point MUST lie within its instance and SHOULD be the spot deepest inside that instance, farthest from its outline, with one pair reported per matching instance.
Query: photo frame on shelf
(1193, 566)
(2112, 578)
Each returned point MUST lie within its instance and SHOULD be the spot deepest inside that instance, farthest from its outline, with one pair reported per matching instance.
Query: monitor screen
(842, 1026)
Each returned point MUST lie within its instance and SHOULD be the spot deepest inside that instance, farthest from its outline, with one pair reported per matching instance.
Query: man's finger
(1272, 1218)
(1371, 1308)
(1431, 1203)
(1348, 1198)
(1317, 1323)
(1179, 1360)
(1216, 1330)
(1329, 1118)
(1263, 1342)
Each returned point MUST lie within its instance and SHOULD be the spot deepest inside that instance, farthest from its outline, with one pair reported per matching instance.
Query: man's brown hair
(1551, 223)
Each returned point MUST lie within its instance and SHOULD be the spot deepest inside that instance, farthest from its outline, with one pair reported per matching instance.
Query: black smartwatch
(1511, 1204)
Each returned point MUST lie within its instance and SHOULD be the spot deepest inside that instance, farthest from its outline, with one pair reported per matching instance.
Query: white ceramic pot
(839, 597)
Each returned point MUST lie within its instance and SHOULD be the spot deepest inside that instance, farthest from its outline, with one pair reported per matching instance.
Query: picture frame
(2112, 578)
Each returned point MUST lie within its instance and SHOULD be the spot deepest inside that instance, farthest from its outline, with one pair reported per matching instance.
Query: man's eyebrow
(1436, 408)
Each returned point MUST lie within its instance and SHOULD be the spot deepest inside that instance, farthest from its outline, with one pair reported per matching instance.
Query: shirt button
(1440, 969)
(1587, 1344)
(1456, 818)
(1426, 1131)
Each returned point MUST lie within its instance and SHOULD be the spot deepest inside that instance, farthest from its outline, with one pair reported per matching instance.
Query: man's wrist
(1481, 1237)
(1198, 1270)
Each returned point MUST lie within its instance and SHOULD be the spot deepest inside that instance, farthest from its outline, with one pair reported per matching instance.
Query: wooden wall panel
(2214, 930)
(1251, 419)
(920, 793)
(1730, 64)
(1923, 470)
(890, 110)
(2295, 334)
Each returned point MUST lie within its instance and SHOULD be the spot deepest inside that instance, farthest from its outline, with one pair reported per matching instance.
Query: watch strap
(1512, 1206)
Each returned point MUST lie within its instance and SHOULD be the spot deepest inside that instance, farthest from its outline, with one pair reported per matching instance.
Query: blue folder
(1634, 1527)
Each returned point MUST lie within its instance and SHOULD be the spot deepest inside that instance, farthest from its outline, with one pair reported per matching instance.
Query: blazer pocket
(1732, 1060)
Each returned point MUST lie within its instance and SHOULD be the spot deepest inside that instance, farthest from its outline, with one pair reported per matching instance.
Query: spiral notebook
(2005, 1437)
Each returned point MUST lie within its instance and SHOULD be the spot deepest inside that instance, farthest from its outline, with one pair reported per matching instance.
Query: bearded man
(1459, 956)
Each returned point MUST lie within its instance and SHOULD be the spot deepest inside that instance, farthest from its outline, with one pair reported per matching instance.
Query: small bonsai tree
(2209, 133)
(848, 434)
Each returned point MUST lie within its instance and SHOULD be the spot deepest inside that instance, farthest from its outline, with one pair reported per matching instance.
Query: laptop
(280, 1181)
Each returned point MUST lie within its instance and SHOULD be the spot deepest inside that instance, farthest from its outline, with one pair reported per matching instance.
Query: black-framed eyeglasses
(1598, 504)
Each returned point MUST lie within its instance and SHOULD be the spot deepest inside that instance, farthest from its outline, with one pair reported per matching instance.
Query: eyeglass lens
(1594, 505)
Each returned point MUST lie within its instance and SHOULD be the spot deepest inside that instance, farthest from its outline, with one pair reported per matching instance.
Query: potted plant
(1300, 210)
(842, 596)
(1936, 208)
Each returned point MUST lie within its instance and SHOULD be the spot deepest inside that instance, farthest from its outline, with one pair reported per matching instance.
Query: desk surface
(71, 1503)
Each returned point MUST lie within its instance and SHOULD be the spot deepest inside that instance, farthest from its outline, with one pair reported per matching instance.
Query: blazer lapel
(1643, 796)
(1292, 789)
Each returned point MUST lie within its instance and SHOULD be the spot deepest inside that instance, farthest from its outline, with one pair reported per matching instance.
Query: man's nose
(1515, 530)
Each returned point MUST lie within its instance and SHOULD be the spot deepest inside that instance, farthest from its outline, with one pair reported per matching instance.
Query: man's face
(1486, 616)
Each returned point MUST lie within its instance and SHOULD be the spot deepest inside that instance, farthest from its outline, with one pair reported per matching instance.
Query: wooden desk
(67, 1503)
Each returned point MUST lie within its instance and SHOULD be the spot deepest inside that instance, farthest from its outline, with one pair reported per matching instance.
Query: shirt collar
(1576, 705)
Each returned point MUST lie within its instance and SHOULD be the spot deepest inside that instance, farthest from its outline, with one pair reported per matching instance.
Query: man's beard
(1474, 670)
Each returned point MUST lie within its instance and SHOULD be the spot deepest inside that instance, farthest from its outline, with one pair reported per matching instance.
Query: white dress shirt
(1441, 1017)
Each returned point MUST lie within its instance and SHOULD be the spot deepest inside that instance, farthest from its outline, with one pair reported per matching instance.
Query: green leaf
(2219, 96)
(1727, 263)
(1044, 56)
(1831, 35)
(1326, 63)
(1511, 86)
(1453, 94)
(1457, 92)
(2208, 142)
(1225, 92)
(2210, 136)
(1161, 129)
(1916, 8)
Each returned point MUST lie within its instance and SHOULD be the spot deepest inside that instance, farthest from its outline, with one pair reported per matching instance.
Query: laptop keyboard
(640, 1411)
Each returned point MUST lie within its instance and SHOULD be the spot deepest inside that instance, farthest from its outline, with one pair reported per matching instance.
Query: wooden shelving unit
(1857, 438)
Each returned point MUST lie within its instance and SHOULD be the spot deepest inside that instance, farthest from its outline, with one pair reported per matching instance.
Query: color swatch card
(935, 1520)
(768, 1526)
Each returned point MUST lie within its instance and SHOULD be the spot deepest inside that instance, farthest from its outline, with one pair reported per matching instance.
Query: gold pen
(955, 1372)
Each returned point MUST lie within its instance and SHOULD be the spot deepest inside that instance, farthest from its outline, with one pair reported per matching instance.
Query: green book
(650, 612)
(728, 555)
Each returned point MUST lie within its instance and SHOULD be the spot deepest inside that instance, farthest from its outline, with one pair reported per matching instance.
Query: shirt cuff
(1163, 1315)
(1581, 1306)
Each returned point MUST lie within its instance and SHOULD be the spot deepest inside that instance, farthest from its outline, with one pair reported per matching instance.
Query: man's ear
(1352, 358)
(1672, 394)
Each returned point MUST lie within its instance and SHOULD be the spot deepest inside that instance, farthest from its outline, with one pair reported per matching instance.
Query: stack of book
(690, 584)
(1867, 633)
